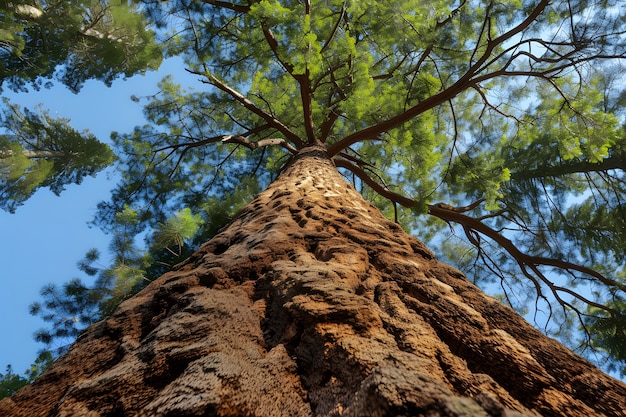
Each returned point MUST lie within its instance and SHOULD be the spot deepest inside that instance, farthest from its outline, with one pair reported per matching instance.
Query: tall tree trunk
(311, 303)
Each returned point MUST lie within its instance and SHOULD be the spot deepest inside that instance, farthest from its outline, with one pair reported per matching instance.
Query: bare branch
(252, 145)
(529, 265)
(616, 161)
(36, 154)
(445, 212)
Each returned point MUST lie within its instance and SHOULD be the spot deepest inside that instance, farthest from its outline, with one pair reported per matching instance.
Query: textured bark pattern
(311, 303)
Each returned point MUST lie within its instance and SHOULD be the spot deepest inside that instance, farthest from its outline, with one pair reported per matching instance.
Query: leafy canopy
(73, 41)
(41, 151)
(69, 42)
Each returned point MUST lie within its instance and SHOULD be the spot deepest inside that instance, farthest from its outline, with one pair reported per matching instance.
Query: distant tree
(10, 382)
(40, 151)
(68, 42)
(72, 42)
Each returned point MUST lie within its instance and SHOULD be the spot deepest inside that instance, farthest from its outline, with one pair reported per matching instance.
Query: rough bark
(311, 303)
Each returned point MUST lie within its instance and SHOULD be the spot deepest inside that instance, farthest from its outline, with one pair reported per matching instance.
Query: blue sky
(42, 242)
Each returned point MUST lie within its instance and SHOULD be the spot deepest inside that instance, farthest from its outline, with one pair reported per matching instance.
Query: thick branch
(237, 139)
(572, 167)
(307, 108)
(273, 44)
(303, 82)
(333, 32)
(327, 126)
(227, 5)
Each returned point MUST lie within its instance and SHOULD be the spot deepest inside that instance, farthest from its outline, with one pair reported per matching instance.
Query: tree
(11, 382)
(505, 112)
(41, 151)
(454, 103)
(70, 42)
(73, 41)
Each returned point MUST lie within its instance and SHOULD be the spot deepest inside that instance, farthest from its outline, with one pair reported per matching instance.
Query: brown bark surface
(311, 303)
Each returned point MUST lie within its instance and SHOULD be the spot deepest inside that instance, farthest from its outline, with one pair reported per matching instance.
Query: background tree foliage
(10, 382)
(503, 120)
(68, 42)
(40, 151)
(72, 42)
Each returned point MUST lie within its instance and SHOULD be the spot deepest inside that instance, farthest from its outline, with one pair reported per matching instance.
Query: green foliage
(41, 151)
(73, 41)
(11, 382)
(69, 309)
(608, 333)
(172, 234)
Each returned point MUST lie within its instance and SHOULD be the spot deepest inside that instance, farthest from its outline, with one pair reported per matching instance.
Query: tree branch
(237, 139)
(227, 5)
(271, 120)
(302, 79)
(572, 167)
(252, 145)
(30, 154)
(333, 32)
(307, 108)
(449, 93)
(273, 44)
(451, 214)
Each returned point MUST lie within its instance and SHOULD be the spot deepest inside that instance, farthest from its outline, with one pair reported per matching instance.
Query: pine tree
(41, 151)
(488, 116)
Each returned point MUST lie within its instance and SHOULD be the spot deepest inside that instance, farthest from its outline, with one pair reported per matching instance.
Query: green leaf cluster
(73, 41)
(172, 234)
(39, 151)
